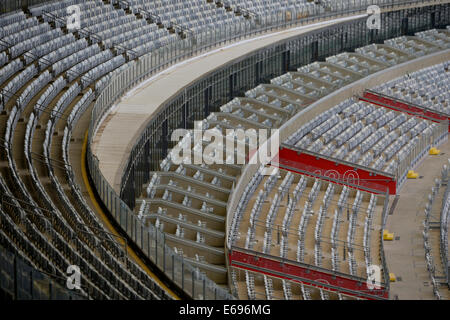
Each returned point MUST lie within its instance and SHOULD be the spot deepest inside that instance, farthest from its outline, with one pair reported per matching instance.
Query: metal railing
(151, 240)
(438, 134)
(148, 238)
(384, 266)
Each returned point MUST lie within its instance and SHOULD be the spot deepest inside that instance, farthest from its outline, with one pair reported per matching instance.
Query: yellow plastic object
(412, 175)
(434, 151)
(392, 277)
(388, 236)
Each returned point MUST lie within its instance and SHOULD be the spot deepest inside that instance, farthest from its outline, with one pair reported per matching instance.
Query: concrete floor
(406, 256)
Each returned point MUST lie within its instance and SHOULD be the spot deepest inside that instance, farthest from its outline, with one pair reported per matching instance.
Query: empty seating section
(48, 79)
(311, 221)
(201, 202)
(49, 94)
(35, 86)
(435, 235)
(439, 37)
(187, 201)
(64, 53)
(10, 19)
(428, 88)
(10, 69)
(24, 34)
(88, 64)
(49, 76)
(78, 57)
(16, 27)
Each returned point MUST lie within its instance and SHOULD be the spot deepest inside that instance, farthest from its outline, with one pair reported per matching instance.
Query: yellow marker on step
(434, 151)
(412, 175)
(388, 236)
(392, 277)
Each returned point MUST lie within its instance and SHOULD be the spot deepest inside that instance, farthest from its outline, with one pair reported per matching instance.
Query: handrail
(5, 44)
(40, 107)
(154, 17)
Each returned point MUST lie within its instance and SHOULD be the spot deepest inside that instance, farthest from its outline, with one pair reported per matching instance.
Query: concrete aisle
(406, 256)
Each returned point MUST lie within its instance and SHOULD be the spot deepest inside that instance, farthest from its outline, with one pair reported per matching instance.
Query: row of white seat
(28, 44)
(329, 193)
(30, 91)
(440, 38)
(371, 147)
(53, 50)
(242, 204)
(102, 69)
(18, 26)
(9, 70)
(65, 100)
(81, 52)
(88, 64)
(18, 81)
(30, 32)
(38, 10)
(368, 231)
(428, 88)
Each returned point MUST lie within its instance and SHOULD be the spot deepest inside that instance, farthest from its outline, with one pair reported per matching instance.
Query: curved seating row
(42, 216)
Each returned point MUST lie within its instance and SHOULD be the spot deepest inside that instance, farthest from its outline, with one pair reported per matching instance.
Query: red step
(306, 274)
(338, 171)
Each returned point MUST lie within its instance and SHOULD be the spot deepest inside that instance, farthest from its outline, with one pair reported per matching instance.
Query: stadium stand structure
(48, 81)
(188, 202)
(50, 76)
